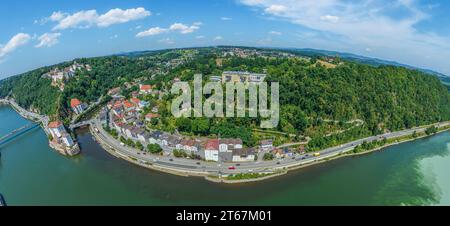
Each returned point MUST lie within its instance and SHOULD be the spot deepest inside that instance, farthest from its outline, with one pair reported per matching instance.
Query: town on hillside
(133, 118)
(131, 121)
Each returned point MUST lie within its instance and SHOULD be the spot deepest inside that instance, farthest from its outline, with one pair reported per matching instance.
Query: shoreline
(278, 171)
(41, 121)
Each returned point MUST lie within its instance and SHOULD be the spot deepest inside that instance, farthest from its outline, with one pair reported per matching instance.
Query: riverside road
(202, 167)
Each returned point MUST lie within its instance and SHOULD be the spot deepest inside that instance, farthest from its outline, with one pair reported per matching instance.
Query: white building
(67, 140)
(212, 150)
(56, 129)
(244, 155)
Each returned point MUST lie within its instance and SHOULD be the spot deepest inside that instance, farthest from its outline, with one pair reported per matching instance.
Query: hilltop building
(242, 77)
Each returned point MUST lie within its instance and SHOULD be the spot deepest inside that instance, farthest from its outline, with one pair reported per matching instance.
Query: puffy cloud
(184, 29)
(14, 43)
(82, 19)
(226, 18)
(152, 31)
(89, 18)
(57, 16)
(48, 40)
(176, 27)
(119, 16)
(218, 38)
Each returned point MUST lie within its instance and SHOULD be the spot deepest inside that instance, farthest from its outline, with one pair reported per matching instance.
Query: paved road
(27, 114)
(189, 165)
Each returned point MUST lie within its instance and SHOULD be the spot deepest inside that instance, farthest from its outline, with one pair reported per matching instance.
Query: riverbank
(277, 169)
(347, 154)
(99, 178)
(108, 148)
(43, 121)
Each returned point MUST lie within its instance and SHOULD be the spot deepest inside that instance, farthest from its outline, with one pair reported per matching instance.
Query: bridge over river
(17, 132)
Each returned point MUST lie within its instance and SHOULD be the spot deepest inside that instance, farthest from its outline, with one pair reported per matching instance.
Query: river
(414, 173)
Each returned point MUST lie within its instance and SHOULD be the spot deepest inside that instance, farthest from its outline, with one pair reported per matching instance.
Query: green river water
(414, 173)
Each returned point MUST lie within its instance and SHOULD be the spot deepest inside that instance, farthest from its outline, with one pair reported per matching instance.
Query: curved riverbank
(43, 121)
(391, 177)
(278, 170)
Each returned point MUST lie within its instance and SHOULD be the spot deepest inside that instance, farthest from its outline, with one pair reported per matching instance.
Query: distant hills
(315, 52)
(362, 59)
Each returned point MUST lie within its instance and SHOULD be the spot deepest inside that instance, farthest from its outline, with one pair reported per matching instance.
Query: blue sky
(39, 33)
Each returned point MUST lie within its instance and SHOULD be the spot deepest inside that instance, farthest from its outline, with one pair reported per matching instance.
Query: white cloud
(387, 26)
(276, 9)
(89, 18)
(152, 31)
(275, 33)
(330, 18)
(218, 38)
(57, 16)
(176, 27)
(226, 18)
(48, 40)
(14, 43)
(184, 29)
(119, 16)
(200, 37)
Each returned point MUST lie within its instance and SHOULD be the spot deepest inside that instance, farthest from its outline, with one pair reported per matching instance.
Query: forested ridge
(315, 100)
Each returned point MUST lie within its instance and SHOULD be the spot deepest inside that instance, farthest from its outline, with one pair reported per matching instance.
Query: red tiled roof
(212, 144)
(127, 104)
(135, 100)
(146, 87)
(54, 124)
(75, 102)
(151, 115)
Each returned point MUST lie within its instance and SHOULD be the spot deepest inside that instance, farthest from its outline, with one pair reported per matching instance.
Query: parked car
(231, 168)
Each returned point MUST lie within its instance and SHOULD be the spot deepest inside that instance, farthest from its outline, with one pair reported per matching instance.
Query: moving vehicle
(317, 154)
(231, 168)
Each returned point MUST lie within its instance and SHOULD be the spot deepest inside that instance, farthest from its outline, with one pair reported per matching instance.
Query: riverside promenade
(219, 171)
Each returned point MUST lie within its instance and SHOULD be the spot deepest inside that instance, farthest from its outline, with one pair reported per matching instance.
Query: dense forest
(314, 99)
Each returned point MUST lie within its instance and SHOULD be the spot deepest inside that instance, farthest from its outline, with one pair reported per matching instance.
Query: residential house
(143, 104)
(77, 106)
(144, 137)
(115, 92)
(135, 101)
(266, 145)
(244, 155)
(128, 106)
(188, 145)
(226, 145)
(150, 116)
(145, 89)
(212, 150)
